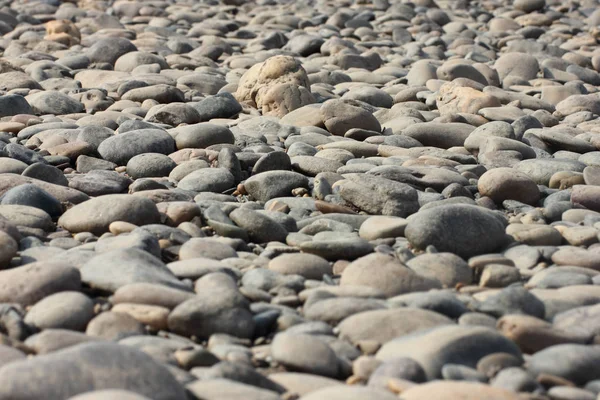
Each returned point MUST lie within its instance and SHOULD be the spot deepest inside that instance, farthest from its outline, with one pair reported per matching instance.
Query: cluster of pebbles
(313, 199)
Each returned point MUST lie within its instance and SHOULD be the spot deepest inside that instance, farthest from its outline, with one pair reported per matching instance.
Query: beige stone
(261, 77)
(63, 31)
(454, 99)
(457, 391)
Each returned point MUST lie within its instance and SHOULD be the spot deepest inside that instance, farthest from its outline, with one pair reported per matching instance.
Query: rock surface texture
(299, 200)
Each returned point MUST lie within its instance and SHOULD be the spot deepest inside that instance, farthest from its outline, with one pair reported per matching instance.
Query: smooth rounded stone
(507, 184)
(580, 235)
(533, 334)
(516, 379)
(439, 301)
(100, 183)
(565, 141)
(591, 175)
(33, 196)
(305, 45)
(260, 228)
(312, 166)
(447, 268)
(150, 294)
(173, 114)
(97, 214)
(154, 317)
(64, 310)
(46, 173)
(453, 390)
(305, 353)
(570, 393)
(477, 319)
(28, 284)
(150, 165)
(114, 326)
(12, 166)
(504, 113)
(529, 5)
(161, 93)
(10, 354)
(222, 105)
(65, 195)
(109, 49)
(574, 362)
(114, 269)
(447, 344)
(561, 279)
(382, 326)
(26, 216)
(309, 266)
(53, 102)
(464, 230)
(130, 60)
(346, 291)
(186, 167)
(8, 248)
(114, 394)
(326, 225)
(456, 372)
(51, 340)
(334, 310)
(339, 117)
(499, 276)
(357, 149)
(582, 320)
(12, 104)
(302, 383)
(493, 363)
(206, 248)
(121, 148)
(389, 275)
(577, 256)
(370, 95)
(226, 389)
(513, 300)
(379, 227)
(272, 184)
(22, 153)
(202, 135)
(348, 392)
(196, 268)
(379, 196)
(218, 307)
(333, 249)
(208, 180)
(577, 103)
(398, 368)
(90, 365)
(137, 239)
(587, 196)
(522, 65)
(440, 135)
(276, 160)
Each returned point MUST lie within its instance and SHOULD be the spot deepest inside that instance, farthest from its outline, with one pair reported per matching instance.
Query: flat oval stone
(123, 147)
(97, 214)
(436, 347)
(384, 325)
(460, 229)
(85, 361)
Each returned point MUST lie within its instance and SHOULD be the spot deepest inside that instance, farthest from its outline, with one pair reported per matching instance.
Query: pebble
(314, 201)
(464, 230)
